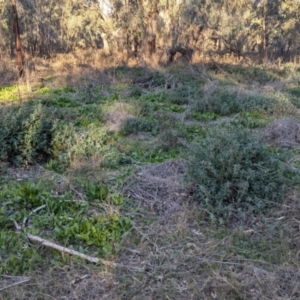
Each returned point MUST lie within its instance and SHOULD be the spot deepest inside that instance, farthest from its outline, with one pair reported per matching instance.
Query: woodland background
(258, 30)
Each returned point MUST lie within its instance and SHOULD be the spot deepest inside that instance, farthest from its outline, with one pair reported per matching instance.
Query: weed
(62, 218)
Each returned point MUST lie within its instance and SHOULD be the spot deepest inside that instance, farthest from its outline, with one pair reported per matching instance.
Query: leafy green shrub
(69, 143)
(183, 95)
(228, 100)
(136, 91)
(134, 125)
(232, 173)
(25, 134)
(250, 74)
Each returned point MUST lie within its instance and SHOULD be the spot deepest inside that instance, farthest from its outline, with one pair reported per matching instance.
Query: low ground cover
(179, 183)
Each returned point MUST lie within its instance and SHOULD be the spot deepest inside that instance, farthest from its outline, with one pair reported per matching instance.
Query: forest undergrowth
(130, 182)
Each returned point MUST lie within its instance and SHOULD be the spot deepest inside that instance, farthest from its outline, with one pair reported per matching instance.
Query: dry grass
(159, 187)
(284, 132)
(117, 114)
(184, 260)
(73, 281)
(173, 252)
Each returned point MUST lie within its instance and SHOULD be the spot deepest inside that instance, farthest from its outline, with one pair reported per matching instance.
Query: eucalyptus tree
(143, 28)
(17, 38)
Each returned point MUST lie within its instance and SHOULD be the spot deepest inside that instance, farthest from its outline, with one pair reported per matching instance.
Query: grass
(106, 159)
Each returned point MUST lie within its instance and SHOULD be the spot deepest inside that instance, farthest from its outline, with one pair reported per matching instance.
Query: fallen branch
(16, 283)
(62, 249)
(92, 259)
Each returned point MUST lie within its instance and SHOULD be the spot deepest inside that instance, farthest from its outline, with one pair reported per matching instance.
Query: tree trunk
(17, 38)
(264, 34)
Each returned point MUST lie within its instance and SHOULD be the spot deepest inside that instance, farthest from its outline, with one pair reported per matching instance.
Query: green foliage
(194, 132)
(158, 102)
(252, 119)
(96, 192)
(136, 91)
(294, 94)
(232, 173)
(250, 74)
(160, 97)
(11, 93)
(206, 116)
(184, 94)
(228, 100)
(61, 101)
(154, 156)
(25, 134)
(70, 222)
(68, 143)
(134, 125)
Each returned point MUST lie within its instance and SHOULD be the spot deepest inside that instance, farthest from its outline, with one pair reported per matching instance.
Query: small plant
(136, 91)
(97, 192)
(134, 125)
(232, 173)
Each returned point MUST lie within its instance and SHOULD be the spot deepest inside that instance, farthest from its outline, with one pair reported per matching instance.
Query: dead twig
(92, 259)
(62, 249)
(34, 211)
(16, 283)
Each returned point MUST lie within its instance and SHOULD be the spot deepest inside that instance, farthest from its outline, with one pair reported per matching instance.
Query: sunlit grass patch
(11, 93)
